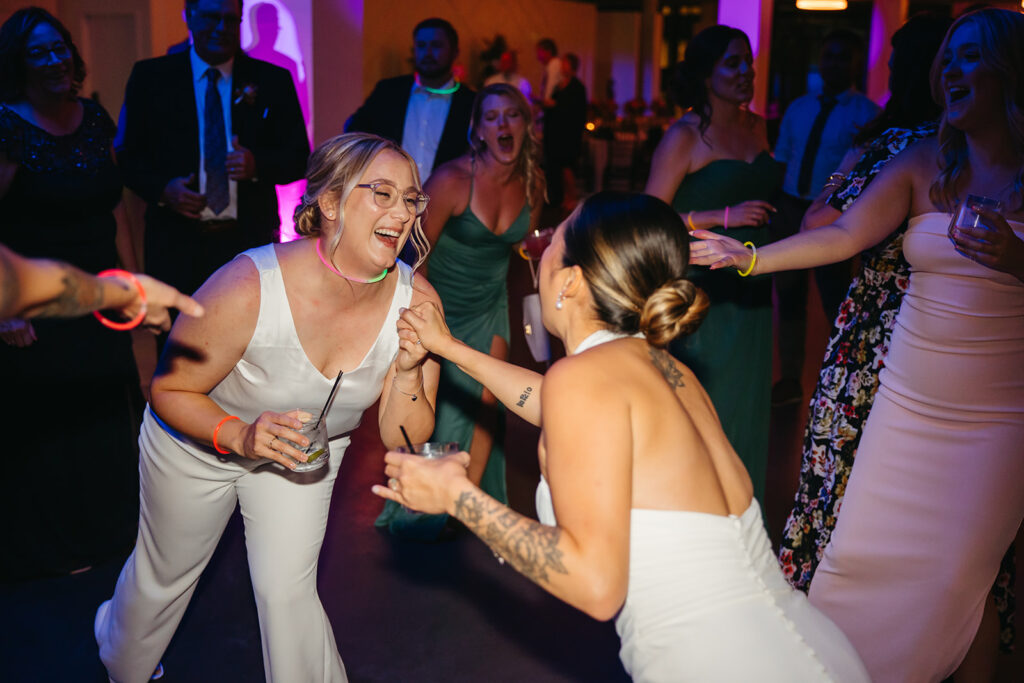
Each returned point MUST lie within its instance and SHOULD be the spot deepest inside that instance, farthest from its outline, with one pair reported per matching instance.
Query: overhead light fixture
(827, 4)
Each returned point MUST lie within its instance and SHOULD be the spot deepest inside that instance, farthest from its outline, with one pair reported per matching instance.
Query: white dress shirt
(199, 68)
(424, 123)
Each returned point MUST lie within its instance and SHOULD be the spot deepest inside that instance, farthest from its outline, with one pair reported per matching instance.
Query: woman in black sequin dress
(70, 390)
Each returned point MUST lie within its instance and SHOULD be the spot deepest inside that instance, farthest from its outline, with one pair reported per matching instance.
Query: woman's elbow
(603, 599)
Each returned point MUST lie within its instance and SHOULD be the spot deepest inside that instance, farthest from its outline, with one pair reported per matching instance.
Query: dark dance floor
(401, 612)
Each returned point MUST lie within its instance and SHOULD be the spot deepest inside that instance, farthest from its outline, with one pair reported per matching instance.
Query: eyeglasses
(211, 19)
(40, 55)
(385, 195)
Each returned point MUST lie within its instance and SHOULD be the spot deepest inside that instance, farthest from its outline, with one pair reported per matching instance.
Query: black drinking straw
(330, 398)
(408, 442)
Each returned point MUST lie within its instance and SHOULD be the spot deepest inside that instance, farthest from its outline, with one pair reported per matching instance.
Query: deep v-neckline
(295, 330)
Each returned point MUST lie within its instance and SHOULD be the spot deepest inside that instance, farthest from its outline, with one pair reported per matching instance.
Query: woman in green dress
(482, 205)
(714, 167)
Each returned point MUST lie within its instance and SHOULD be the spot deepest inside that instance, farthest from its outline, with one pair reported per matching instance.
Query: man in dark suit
(428, 112)
(207, 134)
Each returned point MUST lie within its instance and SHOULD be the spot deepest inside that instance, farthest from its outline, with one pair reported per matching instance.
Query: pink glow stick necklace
(334, 270)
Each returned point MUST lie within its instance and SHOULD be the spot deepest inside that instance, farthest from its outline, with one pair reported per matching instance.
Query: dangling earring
(558, 301)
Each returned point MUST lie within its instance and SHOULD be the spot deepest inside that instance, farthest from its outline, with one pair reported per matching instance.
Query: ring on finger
(271, 444)
(419, 341)
(393, 484)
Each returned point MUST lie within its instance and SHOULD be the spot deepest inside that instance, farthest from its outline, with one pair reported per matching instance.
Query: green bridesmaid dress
(731, 352)
(469, 269)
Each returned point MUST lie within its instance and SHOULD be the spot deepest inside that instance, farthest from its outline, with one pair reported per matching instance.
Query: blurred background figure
(715, 168)
(816, 133)
(426, 112)
(565, 118)
(508, 72)
(60, 198)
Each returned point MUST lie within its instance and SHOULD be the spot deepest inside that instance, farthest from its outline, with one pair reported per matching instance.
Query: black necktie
(803, 185)
(215, 146)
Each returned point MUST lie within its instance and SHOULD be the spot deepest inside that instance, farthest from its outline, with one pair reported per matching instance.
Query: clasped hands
(240, 164)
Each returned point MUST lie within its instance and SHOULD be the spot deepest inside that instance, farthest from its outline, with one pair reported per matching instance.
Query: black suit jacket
(160, 142)
(383, 114)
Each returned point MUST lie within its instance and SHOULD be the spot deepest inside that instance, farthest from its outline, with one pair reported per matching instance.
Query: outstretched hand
(161, 297)
(992, 244)
(423, 484)
(718, 251)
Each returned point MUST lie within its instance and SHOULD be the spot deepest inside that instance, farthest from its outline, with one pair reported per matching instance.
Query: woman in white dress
(281, 322)
(649, 517)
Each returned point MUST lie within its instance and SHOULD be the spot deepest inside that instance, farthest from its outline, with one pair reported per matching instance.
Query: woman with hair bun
(714, 167)
(282, 322)
(647, 514)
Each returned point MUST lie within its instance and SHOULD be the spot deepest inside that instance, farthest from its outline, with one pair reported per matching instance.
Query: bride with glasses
(282, 322)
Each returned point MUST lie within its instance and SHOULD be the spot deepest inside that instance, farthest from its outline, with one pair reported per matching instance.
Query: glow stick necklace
(334, 270)
(438, 91)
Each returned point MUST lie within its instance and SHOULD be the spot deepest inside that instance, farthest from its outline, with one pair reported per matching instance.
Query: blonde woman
(281, 322)
(482, 205)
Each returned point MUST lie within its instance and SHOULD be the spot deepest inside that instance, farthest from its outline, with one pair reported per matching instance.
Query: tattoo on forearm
(525, 396)
(529, 546)
(666, 365)
(9, 289)
(81, 294)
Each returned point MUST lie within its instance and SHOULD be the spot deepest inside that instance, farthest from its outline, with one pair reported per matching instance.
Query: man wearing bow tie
(206, 135)
(427, 112)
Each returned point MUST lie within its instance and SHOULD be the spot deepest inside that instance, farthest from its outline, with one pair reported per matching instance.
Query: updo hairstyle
(634, 250)
(688, 87)
(336, 167)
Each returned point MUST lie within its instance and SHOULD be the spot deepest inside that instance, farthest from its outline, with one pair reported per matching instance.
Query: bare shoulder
(235, 285)
(449, 175)
(423, 291)
(681, 135)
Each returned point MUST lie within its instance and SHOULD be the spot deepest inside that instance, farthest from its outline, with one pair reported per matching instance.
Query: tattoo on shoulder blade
(666, 365)
(529, 546)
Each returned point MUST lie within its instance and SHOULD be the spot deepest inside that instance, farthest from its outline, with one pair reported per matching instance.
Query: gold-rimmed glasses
(385, 195)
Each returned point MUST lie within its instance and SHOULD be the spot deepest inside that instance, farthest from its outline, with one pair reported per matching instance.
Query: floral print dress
(847, 384)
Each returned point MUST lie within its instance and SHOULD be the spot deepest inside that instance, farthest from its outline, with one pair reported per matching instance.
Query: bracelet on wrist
(414, 395)
(753, 260)
(140, 316)
(216, 432)
(689, 222)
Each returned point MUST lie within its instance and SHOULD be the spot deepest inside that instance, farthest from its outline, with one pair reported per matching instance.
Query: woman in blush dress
(714, 167)
(936, 495)
(647, 514)
(282, 322)
(482, 205)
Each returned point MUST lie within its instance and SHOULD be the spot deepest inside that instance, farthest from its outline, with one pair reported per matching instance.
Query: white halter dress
(707, 601)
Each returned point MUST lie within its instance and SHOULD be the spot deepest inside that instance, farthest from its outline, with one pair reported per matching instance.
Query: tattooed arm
(516, 387)
(37, 288)
(587, 438)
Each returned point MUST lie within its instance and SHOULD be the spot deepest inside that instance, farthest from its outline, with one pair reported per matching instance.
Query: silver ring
(419, 341)
(393, 484)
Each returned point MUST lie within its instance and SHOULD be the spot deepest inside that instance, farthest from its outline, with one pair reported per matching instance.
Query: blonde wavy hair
(528, 162)
(1002, 51)
(634, 251)
(336, 167)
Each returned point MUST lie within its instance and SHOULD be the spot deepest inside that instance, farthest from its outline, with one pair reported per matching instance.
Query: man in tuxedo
(428, 112)
(207, 134)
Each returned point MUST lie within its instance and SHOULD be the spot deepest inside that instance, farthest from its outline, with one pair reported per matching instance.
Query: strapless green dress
(731, 352)
(469, 269)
